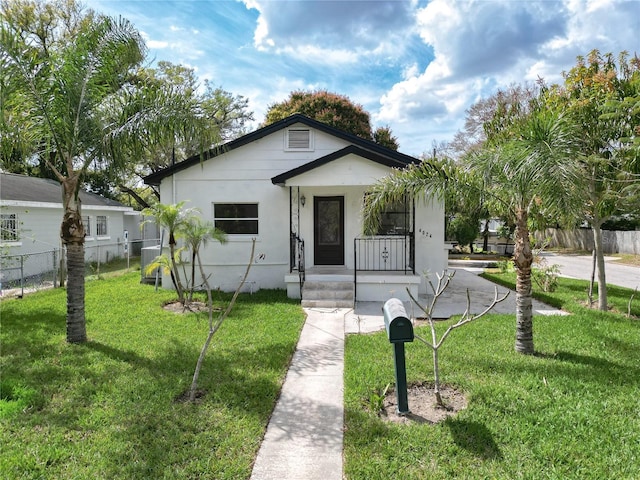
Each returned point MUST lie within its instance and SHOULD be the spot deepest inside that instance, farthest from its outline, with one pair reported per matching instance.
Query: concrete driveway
(580, 266)
(367, 316)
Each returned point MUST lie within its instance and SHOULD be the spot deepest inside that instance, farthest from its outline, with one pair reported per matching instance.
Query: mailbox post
(399, 330)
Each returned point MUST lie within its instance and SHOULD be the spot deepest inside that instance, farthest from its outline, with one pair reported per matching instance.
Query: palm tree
(175, 219)
(62, 89)
(196, 234)
(529, 173)
(527, 170)
(71, 81)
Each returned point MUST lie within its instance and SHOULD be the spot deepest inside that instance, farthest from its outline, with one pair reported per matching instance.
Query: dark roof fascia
(156, 177)
(351, 149)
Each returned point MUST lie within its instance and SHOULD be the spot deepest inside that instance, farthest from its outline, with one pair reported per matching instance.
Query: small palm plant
(176, 219)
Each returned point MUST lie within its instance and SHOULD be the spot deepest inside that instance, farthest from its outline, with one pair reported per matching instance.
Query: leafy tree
(385, 137)
(333, 109)
(525, 163)
(66, 74)
(219, 112)
(602, 99)
(464, 229)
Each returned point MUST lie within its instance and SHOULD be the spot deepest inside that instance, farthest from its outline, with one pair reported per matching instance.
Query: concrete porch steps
(327, 294)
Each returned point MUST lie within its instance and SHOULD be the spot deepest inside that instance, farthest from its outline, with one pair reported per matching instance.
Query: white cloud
(157, 44)
(343, 31)
(482, 46)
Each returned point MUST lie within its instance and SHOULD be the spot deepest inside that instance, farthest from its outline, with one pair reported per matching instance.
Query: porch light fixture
(303, 200)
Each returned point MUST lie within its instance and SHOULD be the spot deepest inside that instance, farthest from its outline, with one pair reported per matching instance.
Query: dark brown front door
(328, 236)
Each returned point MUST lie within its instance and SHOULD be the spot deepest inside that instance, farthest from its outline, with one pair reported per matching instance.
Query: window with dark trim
(396, 219)
(236, 218)
(9, 227)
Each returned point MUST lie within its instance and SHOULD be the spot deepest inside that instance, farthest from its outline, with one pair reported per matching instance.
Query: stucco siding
(243, 175)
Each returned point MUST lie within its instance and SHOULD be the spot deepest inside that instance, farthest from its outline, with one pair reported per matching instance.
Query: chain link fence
(36, 271)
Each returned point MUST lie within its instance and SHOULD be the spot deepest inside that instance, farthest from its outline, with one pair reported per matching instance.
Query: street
(580, 266)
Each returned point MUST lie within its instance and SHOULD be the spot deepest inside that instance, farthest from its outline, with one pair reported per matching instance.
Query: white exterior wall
(243, 175)
(39, 232)
(431, 254)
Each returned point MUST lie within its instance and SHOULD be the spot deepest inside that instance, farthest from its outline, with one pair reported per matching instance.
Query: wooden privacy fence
(582, 239)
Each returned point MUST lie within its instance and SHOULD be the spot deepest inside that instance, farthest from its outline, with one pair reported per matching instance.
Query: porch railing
(296, 261)
(384, 254)
(394, 253)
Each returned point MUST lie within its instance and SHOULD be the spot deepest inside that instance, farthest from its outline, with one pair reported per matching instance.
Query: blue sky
(414, 65)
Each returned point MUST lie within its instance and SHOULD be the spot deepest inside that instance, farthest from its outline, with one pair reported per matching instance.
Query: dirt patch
(422, 404)
(184, 396)
(190, 307)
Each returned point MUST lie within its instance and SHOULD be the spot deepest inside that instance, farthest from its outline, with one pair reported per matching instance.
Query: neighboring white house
(30, 217)
(297, 186)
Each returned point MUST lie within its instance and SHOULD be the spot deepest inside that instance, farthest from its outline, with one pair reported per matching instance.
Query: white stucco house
(30, 217)
(297, 186)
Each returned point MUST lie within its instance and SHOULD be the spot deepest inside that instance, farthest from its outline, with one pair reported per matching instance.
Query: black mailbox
(399, 327)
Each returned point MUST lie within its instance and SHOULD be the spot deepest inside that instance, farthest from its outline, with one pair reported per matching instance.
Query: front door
(328, 235)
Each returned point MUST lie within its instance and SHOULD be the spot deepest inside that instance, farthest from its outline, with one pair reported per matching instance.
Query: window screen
(236, 218)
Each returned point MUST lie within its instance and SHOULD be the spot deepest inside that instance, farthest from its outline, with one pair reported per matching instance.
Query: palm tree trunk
(174, 268)
(602, 281)
(72, 234)
(522, 260)
(76, 325)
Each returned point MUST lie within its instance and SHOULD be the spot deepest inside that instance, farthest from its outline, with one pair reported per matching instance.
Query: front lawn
(111, 408)
(570, 412)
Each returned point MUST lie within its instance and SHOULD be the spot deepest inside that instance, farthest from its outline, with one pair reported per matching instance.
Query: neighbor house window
(9, 227)
(86, 223)
(101, 226)
(299, 139)
(236, 218)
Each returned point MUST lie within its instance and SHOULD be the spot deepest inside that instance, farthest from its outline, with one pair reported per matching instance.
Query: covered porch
(333, 264)
(330, 258)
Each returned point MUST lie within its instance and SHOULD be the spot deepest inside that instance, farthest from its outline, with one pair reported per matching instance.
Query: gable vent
(299, 139)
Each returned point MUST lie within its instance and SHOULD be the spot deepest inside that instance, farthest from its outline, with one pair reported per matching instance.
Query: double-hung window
(236, 218)
(9, 227)
(86, 223)
(101, 226)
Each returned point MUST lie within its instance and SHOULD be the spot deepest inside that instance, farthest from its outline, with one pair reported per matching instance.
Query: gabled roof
(368, 145)
(351, 149)
(21, 188)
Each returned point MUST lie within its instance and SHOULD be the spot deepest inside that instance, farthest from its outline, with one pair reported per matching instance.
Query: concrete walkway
(304, 436)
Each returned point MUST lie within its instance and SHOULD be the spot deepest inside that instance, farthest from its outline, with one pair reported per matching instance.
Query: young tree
(467, 317)
(214, 325)
(601, 98)
(197, 233)
(175, 219)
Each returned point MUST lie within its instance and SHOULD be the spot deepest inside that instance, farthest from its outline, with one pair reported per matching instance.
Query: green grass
(570, 412)
(108, 409)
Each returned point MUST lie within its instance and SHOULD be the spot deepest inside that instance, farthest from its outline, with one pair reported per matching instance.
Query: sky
(414, 65)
